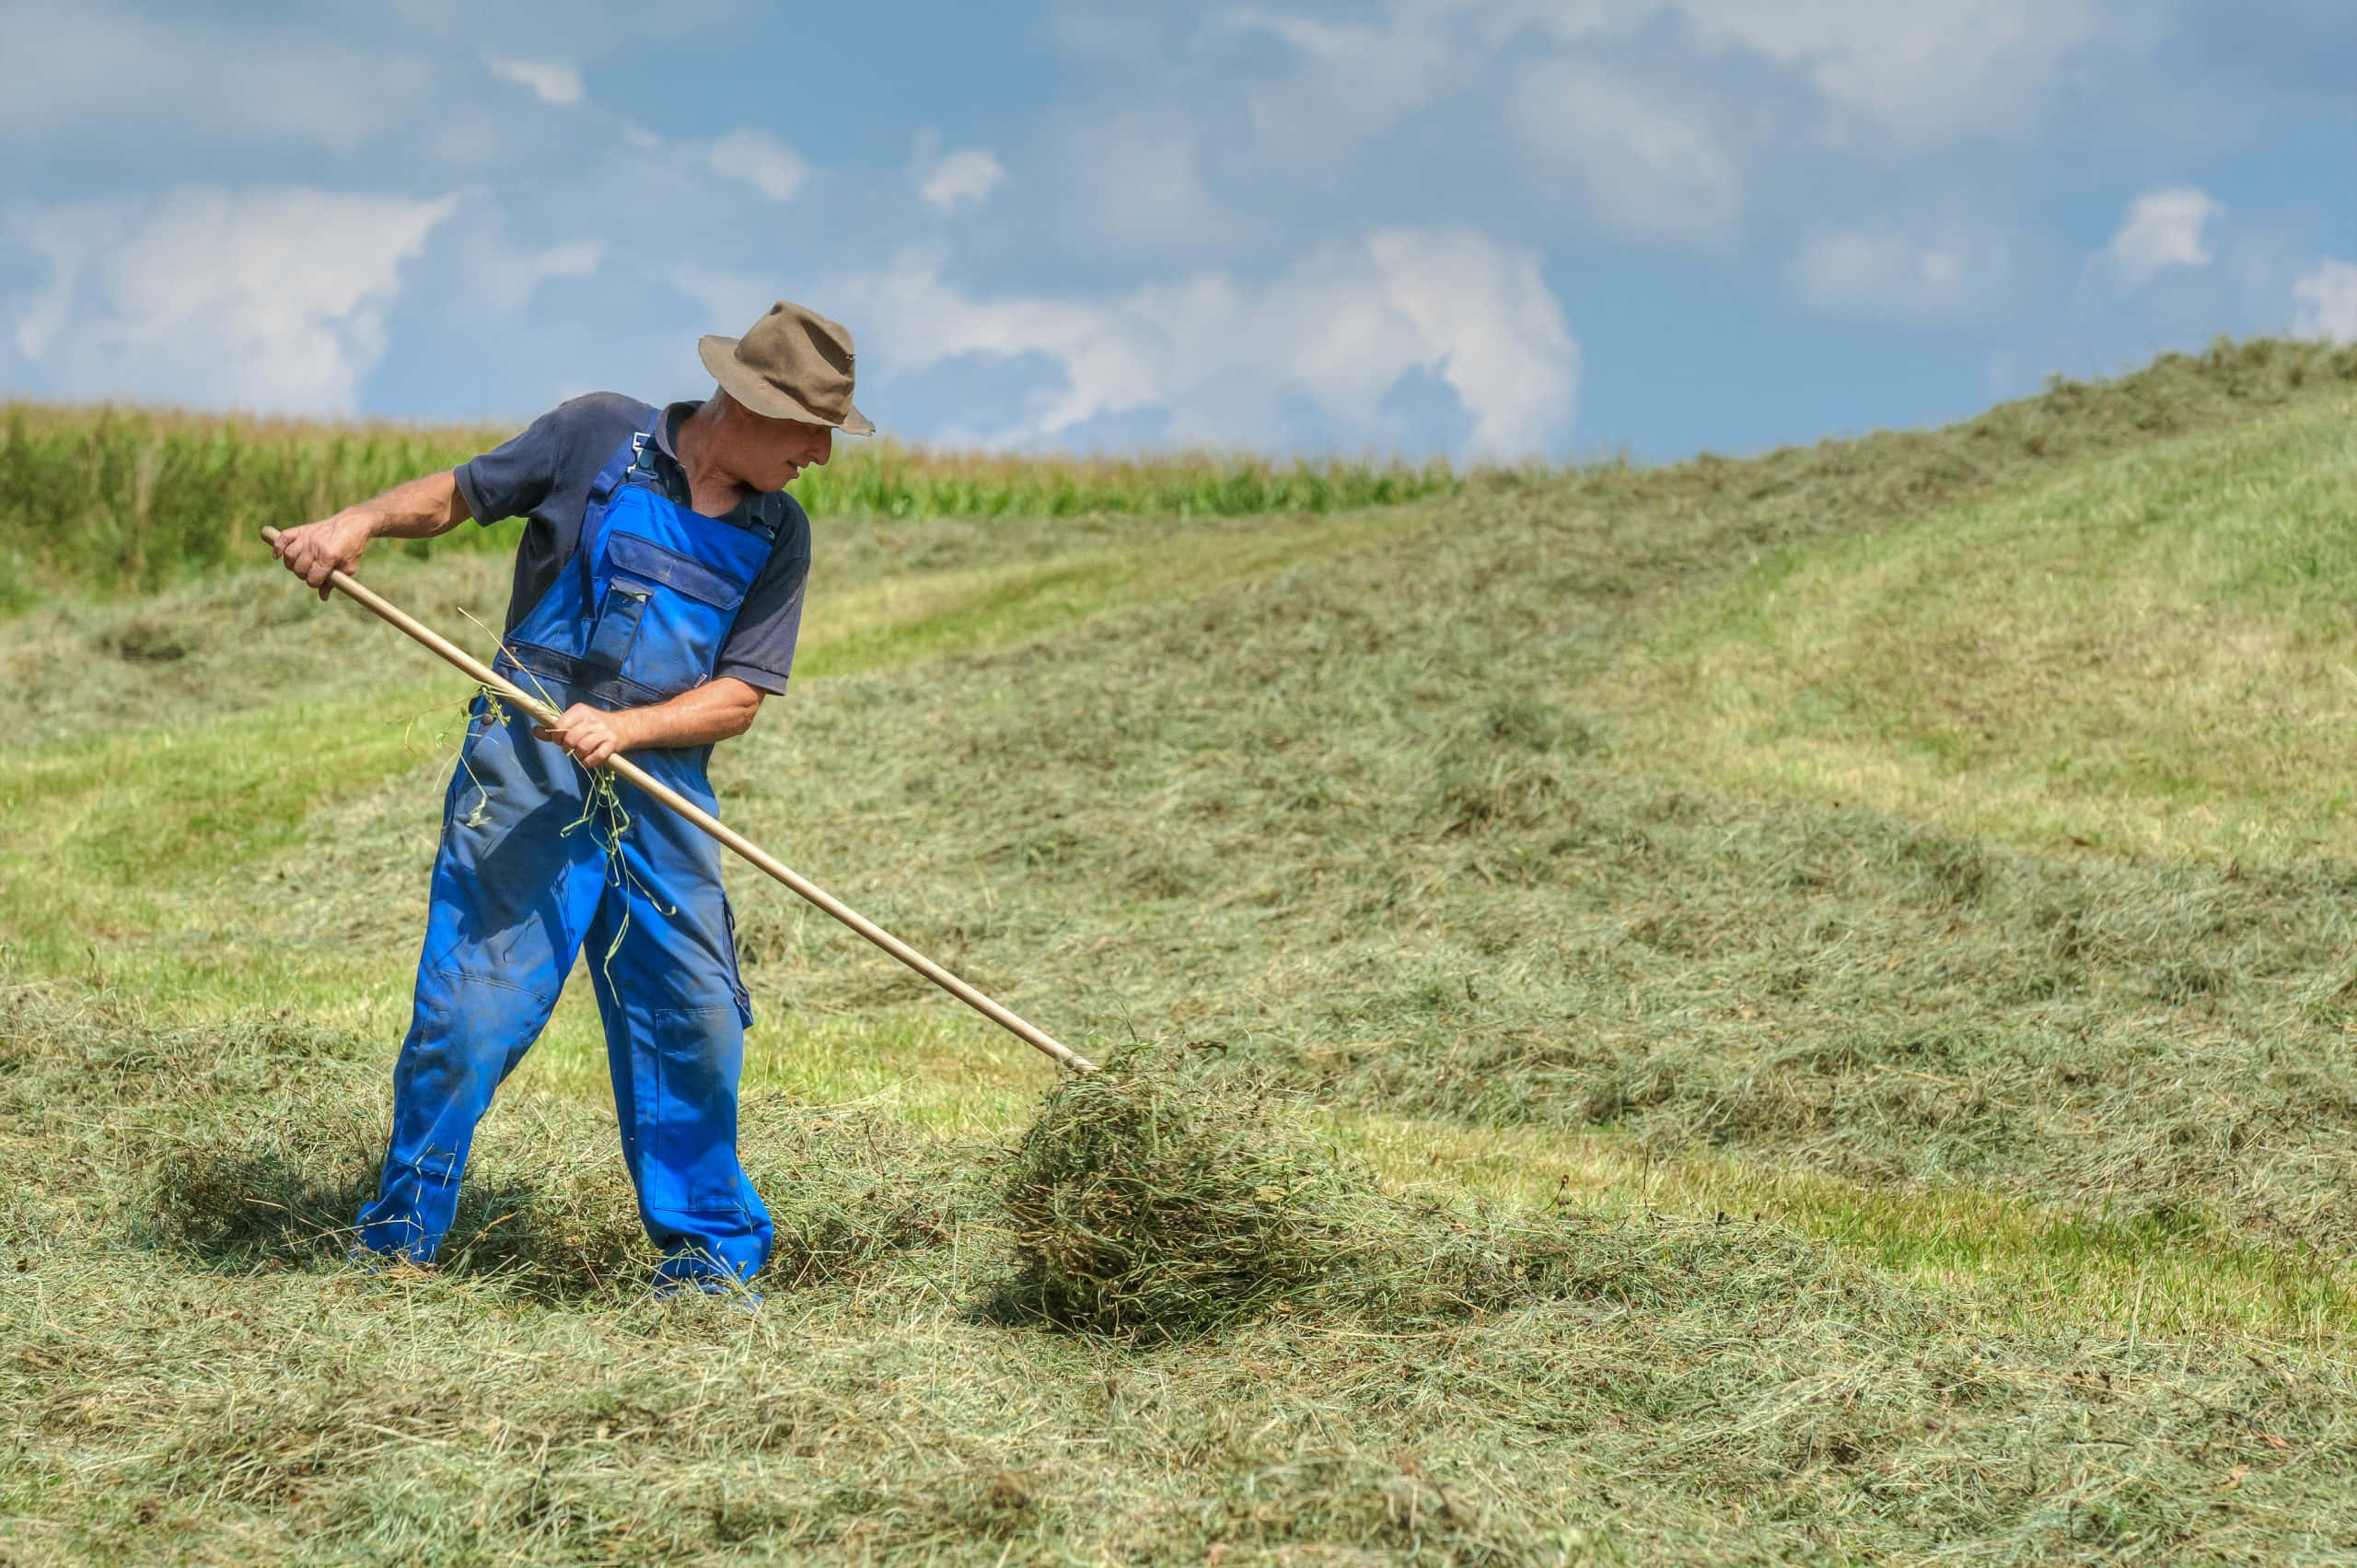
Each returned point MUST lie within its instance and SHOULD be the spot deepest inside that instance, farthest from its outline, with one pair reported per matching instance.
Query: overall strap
(624, 460)
(630, 455)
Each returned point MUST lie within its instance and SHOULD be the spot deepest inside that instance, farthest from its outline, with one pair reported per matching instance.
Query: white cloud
(1355, 80)
(1338, 332)
(506, 280)
(1652, 169)
(1503, 344)
(1137, 183)
(88, 71)
(1928, 71)
(1923, 73)
(1895, 274)
(957, 181)
(573, 259)
(272, 299)
(554, 82)
(760, 160)
(2327, 296)
(2163, 228)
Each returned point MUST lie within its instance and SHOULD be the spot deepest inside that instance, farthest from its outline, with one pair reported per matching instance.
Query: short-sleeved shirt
(544, 476)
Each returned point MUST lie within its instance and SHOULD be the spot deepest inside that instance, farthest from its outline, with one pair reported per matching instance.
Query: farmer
(657, 595)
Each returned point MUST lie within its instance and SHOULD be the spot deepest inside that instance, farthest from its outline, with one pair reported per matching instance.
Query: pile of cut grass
(1152, 1203)
(1162, 1202)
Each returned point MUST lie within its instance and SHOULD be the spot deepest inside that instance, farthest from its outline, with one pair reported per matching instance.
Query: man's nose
(823, 448)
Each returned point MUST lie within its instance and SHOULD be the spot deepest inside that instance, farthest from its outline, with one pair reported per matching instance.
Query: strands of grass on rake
(602, 812)
(493, 712)
(608, 819)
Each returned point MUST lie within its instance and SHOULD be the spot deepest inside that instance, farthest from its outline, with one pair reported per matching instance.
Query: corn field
(109, 500)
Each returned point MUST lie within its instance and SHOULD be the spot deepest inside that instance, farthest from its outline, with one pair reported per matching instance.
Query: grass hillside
(2148, 653)
(1816, 992)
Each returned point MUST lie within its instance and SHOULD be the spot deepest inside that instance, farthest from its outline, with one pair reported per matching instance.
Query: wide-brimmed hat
(792, 364)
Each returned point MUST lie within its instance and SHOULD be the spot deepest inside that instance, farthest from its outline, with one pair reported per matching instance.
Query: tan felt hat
(792, 364)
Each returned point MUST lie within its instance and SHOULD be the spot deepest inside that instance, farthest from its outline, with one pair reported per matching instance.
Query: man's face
(767, 454)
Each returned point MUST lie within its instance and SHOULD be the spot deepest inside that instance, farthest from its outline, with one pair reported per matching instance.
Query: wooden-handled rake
(630, 772)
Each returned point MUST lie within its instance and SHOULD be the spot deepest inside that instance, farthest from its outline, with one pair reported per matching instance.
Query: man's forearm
(419, 509)
(716, 710)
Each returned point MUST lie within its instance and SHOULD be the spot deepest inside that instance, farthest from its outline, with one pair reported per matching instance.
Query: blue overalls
(521, 881)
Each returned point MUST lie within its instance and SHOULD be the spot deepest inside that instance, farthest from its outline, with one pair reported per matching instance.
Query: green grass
(1852, 947)
(2149, 654)
(106, 500)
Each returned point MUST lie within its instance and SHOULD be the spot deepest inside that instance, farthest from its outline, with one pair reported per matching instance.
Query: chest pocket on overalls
(665, 615)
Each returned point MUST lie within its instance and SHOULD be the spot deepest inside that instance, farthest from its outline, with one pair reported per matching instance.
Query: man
(657, 596)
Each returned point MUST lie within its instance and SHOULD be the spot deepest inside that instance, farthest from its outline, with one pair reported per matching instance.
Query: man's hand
(715, 711)
(333, 544)
(419, 508)
(592, 734)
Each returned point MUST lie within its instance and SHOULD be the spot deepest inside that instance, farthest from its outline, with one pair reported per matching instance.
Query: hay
(2061, 1140)
(546, 1209)
(1155, 1201)
(1146, 1200)
(1159, 1200)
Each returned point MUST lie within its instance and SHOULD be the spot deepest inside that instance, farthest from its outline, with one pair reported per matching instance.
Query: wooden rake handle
(623, 768)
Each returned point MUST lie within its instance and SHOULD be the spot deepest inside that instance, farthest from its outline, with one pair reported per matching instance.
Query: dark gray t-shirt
(544, 475)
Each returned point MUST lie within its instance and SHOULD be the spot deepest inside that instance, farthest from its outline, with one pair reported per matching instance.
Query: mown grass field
(1852, 947)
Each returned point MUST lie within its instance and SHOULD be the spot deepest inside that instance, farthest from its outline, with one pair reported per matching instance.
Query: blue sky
(1486, 227)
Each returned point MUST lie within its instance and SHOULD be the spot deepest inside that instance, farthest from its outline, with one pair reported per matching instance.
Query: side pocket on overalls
(691, 608)
(736, 972)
